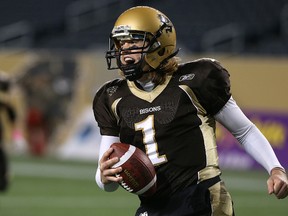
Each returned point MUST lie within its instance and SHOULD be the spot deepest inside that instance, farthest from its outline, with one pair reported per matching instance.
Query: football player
(169, 110)
(7, 111)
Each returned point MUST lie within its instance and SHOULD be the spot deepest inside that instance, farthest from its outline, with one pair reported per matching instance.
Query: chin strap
(171, 56)
(163, 62)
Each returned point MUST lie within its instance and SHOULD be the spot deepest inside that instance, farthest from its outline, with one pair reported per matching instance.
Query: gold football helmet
(151, 26)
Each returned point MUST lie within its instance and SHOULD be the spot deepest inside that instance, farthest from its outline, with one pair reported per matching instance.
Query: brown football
(138, 173)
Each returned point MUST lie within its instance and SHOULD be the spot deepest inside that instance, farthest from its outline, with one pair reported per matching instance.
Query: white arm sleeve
(105, 144)
(247, 134)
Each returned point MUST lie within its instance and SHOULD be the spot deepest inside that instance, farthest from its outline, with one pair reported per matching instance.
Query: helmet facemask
(132, 71)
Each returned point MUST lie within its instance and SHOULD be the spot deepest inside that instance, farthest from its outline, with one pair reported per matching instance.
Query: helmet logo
(163, 19)
(166, 22)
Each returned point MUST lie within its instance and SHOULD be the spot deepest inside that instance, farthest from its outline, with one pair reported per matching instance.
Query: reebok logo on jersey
(186, 77)
(144, 214)
(150, 109)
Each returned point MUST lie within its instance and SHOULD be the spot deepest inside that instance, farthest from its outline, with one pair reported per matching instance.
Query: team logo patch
(111, 90)
(187, 77)
(144, 214)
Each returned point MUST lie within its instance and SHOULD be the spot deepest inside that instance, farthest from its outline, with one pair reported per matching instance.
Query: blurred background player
(169, 110)
(7, 119)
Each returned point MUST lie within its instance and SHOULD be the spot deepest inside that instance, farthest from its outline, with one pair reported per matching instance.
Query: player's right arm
(105, 175)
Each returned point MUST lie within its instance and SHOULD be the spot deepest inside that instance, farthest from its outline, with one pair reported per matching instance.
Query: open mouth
(129, 60)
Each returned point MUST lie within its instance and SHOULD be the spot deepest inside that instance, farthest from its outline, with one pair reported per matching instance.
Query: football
(138, 173)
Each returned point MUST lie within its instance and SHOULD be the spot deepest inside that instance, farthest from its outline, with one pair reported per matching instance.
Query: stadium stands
(239, 26)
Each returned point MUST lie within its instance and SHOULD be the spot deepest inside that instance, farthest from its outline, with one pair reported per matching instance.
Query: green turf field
(46, 187)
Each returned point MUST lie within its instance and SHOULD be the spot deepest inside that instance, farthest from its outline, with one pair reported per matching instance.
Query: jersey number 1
(151, 146)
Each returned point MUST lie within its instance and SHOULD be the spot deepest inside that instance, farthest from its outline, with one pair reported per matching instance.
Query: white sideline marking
(88, 173)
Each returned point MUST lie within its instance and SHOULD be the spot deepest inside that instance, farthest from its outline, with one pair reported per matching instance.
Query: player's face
(131, 51)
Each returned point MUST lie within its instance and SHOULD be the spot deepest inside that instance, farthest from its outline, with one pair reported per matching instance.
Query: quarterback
(169, 110)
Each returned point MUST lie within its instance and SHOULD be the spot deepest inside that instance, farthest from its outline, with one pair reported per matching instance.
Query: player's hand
(108, 173)
(278, 183)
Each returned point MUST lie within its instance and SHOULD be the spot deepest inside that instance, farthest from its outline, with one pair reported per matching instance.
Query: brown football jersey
(173, 123)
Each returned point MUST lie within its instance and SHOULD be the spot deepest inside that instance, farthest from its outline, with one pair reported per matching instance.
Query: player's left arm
(256, 145)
